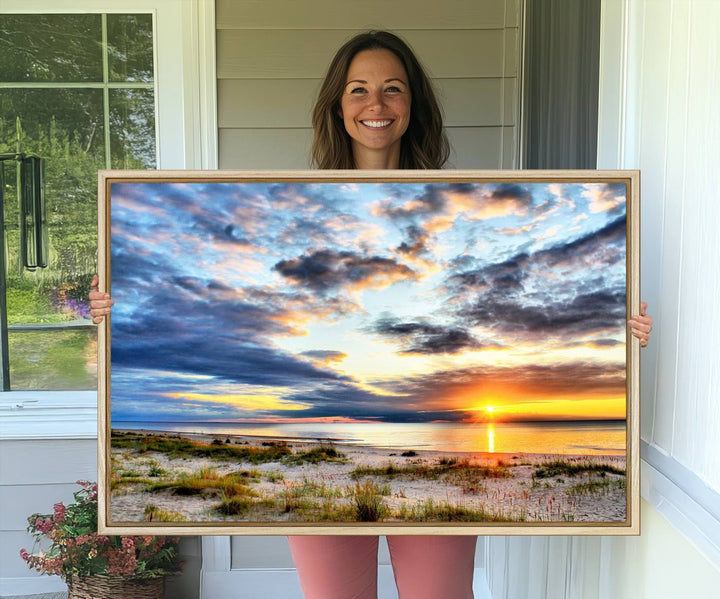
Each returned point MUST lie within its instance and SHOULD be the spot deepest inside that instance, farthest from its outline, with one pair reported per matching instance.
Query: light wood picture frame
(369, 352)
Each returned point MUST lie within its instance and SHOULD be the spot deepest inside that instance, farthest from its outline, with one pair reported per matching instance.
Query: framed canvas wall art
(380, 352)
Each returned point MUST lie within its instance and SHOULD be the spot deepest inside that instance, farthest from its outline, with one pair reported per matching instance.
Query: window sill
(48, 415)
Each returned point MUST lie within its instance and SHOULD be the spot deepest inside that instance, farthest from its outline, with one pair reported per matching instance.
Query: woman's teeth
(376, 124)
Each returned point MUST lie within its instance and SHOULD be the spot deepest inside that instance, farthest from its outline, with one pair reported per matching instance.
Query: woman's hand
(641, 325)
(100, 303)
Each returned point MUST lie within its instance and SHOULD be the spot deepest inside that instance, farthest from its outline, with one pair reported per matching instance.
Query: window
(77, 90)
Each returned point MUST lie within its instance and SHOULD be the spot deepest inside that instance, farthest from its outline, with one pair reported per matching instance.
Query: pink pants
(345, 567)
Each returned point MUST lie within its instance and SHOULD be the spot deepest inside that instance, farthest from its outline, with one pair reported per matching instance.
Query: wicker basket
(116, 587)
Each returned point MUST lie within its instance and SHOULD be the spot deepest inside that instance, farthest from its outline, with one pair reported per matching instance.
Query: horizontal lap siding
(344, 14)
(271, 58)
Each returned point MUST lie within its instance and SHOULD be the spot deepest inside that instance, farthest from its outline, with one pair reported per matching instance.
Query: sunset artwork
(382, 353)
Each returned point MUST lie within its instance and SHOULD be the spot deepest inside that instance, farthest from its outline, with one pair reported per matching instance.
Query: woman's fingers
(641, 325)
(100, 302)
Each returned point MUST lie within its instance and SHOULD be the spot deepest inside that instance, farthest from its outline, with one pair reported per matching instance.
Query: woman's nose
(376, 99)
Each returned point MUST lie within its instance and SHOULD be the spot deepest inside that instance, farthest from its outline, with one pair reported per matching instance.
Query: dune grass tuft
(155, 514)
(367, 502)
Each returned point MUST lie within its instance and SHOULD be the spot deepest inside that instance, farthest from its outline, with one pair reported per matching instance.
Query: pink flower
(59, 512)
(53, 565)
(121, 562)
(24, 555)
(43, 526)
(128, 543)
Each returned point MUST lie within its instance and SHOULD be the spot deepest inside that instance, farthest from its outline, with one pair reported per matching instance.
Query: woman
(377, 110)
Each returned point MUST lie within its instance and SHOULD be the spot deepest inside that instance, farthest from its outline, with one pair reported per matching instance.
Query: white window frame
(186, 130)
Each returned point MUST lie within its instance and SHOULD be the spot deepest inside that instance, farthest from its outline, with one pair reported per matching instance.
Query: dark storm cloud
(507, 275)
(424, 398)
(426, 338)
(585, 314)
(190, 326)
(606, 245)
(415, 242)
(536, 380)
(327, 269)
(565, 289)
(512, 191)
(430, 202)
(348, 401)
(344, 399)
(202, 347)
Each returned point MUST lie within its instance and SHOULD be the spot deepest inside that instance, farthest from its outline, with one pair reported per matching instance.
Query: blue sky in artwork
(265, 302)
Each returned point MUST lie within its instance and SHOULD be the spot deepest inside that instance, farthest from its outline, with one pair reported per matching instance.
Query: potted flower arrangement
(95, 565)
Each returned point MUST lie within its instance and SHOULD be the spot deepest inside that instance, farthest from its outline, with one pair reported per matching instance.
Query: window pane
(53, 359)
(130, 47)
(65, 127)
(132, 128)
(48, 117)
(50, 48)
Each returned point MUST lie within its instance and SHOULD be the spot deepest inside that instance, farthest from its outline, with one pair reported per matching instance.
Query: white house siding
(271, 57)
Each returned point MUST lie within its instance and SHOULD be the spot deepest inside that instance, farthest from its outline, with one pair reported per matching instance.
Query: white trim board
(678, 494)
(48, 415)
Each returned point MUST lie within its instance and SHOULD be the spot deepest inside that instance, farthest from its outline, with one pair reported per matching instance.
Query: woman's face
(375, 105)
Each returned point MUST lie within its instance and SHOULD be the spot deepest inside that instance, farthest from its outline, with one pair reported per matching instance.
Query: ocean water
(576, 437)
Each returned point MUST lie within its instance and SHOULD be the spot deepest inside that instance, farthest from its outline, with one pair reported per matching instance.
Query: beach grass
(368, 502)
(177, 447)
(323, 453)
(433, 511)
(155, 514)
(205, 482)
(563, 467)
(593, 487)
(232, 505)
(468, 476)
(164, 477)
(310, 488)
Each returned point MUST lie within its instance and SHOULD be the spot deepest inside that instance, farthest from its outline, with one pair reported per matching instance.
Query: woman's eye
(393, 89)
(357, 90)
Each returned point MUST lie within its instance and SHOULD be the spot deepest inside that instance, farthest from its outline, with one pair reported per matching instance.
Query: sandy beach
(170, 477)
